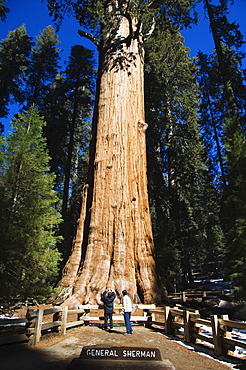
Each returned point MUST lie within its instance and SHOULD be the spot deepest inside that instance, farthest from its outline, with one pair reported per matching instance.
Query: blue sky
(34, 14)
(200, 38)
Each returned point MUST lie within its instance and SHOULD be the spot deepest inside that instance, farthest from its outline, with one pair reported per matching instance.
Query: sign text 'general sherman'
(100, 357)
(130, 353)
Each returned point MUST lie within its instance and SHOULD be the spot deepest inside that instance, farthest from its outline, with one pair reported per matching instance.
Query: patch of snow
(4, 317)
(236, 334)
(211, 283)
(196, 349)
(239, 335)
(12, 317)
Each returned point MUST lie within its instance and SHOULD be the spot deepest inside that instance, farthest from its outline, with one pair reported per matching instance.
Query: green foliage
(222, 80)
(234, 206)
(3, 10)
(180, 12)
(14, 53)
(28, 216)
(102, 18)
(184, 204)
(64, 100)
(67, 108)
(43, 66)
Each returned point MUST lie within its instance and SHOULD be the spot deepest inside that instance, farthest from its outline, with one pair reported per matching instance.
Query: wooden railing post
(38, 327)
(29, 324)
(64, 320)
(87, 313)
(218, 349)
(227, 334)
(57, 317)
(150, 318)
(187, 326)
(168, 320)
(183, 297)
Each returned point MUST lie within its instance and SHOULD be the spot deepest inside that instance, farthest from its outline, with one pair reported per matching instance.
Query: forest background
(195, 109)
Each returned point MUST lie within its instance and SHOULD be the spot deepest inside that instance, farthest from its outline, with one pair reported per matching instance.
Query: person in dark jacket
(108, 299)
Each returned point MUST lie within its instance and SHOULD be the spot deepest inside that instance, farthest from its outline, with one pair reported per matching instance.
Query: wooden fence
(167, 318)
(59, 321)
(173, 319)
(190, 293)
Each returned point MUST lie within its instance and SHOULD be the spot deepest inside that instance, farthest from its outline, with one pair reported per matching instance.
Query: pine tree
(14, 53)
(225, 105)
(222, 83)
(182, 194)
(79, 76)
(43, 66)
(225, 34)
(53, 108)
(79, 83)
(234, 207)
(212, 110)
(67, 108)
(28, 218)
(3, 10)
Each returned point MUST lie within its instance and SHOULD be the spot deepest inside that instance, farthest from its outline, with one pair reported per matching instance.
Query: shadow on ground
(23, 357)
(57, 353)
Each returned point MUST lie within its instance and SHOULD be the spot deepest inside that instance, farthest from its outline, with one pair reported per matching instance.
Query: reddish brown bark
(120, 250)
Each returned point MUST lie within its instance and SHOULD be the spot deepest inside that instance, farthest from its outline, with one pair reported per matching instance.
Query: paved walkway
(55, 352)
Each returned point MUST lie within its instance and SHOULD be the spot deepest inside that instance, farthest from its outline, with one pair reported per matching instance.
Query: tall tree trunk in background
(70, 149)
(216, 139)
(230, 96)
(118, 251)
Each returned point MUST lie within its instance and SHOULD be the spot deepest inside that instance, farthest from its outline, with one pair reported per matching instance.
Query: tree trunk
(217, 142)
(229, 93)
(70, 149)
(119, 250)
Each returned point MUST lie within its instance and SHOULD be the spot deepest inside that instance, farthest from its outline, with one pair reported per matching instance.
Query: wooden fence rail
(170, 319)
(175, 318)
(85, 315)
(189, 294)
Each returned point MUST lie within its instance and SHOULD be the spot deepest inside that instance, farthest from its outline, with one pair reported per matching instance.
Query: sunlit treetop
(101, 18)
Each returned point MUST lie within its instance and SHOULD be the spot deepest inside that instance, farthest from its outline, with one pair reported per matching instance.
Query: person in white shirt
(127, 310)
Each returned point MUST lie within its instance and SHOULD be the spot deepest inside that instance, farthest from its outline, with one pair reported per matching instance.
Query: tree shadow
(22, 356)
(113, 331)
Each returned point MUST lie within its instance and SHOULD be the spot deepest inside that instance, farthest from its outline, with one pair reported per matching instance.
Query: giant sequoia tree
(114, 244)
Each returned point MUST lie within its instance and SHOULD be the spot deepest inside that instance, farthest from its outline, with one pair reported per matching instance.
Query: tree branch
(155, 4)
(89, 36)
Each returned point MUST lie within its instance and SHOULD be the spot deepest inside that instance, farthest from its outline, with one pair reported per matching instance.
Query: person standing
(127, 310)
(108, 299)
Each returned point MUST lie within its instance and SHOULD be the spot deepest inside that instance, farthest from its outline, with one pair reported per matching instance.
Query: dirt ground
(55, 352)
